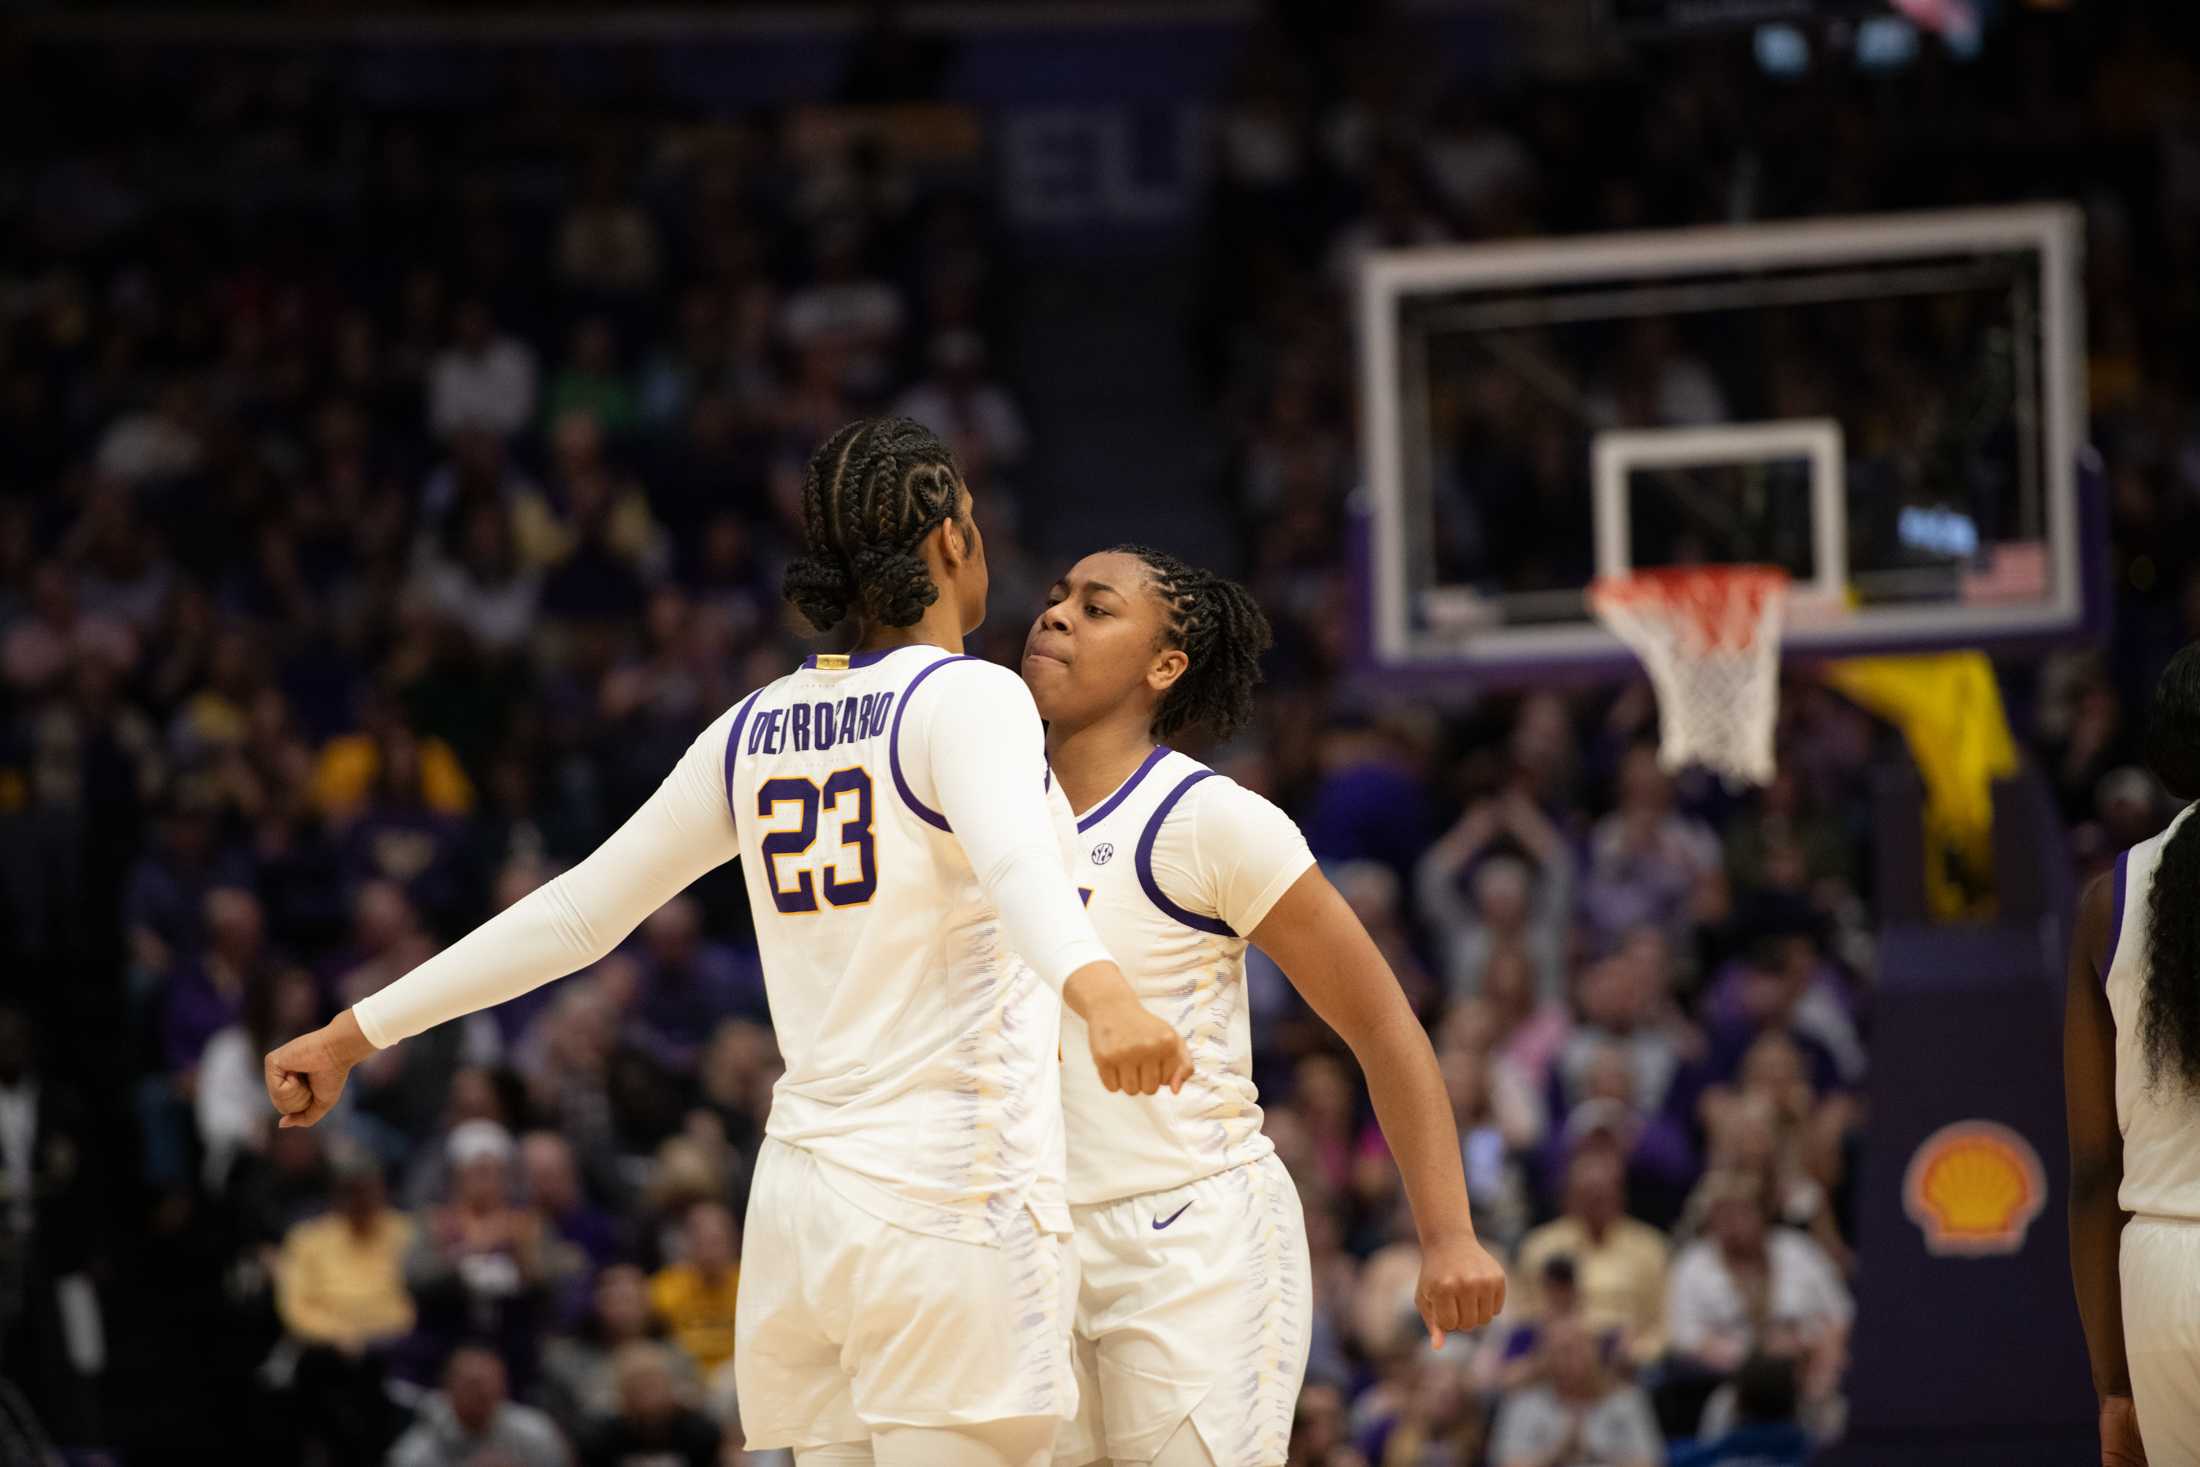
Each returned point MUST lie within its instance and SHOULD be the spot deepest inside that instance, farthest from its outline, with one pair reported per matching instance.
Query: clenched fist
(305, 1077)
(1134, 1049)
(1461, 1288)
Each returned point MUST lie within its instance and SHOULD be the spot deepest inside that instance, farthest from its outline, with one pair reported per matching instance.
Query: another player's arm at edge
(2096, 1158)
(986, 752)
(1319, 943)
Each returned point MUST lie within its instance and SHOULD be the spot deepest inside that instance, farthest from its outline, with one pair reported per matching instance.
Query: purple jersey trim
(893, 747)
(857, 659)
(733, 746)
(2116, 918)
(1154, 893)
(1123, 790)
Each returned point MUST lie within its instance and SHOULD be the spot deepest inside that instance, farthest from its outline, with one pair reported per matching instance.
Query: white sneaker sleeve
(680, 832)
(1230, 853)
(980, 746)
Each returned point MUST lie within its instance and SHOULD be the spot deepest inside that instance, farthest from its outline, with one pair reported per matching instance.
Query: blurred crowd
(369, 549)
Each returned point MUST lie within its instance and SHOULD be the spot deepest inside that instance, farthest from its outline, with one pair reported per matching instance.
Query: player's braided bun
(1222, 632)
(874, 490)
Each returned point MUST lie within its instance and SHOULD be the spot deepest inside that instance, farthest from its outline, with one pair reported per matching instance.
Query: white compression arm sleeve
(985, 752)
(681, 831)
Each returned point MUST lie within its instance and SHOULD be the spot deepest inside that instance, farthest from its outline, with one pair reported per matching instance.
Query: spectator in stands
(1345, 1149)
(1653, 1145)
(696, 1295)
(970, 411)
(1496, 1185)
(472, 1421)
(688, 985)
(232, 1090)
(580, 1376)
(1772, 1126)
(1647, 861)
(552, 1180)
(1625, 1004)
(477, 582)
(1786, 844)
(1765, 1430)
(846, 310)
(1527, 1032)
(1770, 996)
(1787, 980)
(483, 380)
(590, 383)
(1437, 1420)
(1619, 1263)
(735, 1076)
(1371, 802)
(652, 1424)
(340, 1292)
(1516, 907)
(202, 994)
(385, 753)
(1320, 1431)
(49, 1225)
(606, 247)
(483, 1266)
(165, 905)
(564, 1060)
(1580, 1414)
(205, 996)
(1748, 1285)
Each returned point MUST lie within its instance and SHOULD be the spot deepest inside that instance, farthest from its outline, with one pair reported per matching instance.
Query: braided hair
(874, 490)
(2169, 1014)
(1218, 626)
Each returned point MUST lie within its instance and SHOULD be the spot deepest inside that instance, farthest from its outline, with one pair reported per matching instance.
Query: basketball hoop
(1710, 637)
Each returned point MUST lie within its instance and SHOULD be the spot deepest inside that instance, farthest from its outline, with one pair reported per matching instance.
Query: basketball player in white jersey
(1196, 1303)
(906, 1283)
(2131, 1080)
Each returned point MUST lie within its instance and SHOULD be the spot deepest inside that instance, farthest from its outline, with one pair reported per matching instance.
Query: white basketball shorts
(847, 1324)
(1195, 1302)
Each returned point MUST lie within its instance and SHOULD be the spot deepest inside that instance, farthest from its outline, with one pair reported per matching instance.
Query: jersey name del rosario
(906, 852)
(920, 1045)
(1178, 866)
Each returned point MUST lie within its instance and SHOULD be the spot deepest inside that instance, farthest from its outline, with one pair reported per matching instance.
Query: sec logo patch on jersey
(1102, 854)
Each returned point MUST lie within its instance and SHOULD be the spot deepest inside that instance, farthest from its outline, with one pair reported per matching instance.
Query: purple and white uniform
(2160, 1259)
(904, 849)
(1196, 1297)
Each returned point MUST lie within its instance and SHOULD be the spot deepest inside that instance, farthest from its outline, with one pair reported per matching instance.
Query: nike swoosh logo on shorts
(1162, 1222)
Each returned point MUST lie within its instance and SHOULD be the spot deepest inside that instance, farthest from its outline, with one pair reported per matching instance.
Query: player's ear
(1168, 665)
(959, 530)
(954, 544)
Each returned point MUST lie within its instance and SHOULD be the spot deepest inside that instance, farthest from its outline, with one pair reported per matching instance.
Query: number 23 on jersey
(845, 796)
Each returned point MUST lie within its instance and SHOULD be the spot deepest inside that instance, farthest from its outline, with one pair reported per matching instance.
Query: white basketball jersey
(920, 1051)
(2160, 1123)
(1180, 863)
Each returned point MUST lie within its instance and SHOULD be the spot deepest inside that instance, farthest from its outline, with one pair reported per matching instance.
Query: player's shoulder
(1210, 796)
(1212, 812)
(958, 675)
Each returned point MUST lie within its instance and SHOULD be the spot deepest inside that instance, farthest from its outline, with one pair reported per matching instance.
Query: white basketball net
(1710, 638)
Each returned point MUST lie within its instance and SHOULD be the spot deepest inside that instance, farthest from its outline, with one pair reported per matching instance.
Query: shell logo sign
(1974, 1188)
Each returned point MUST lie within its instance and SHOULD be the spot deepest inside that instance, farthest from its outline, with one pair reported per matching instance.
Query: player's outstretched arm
(680, 832)
(985, 751)
(2096, 1174)
(1319, 943)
